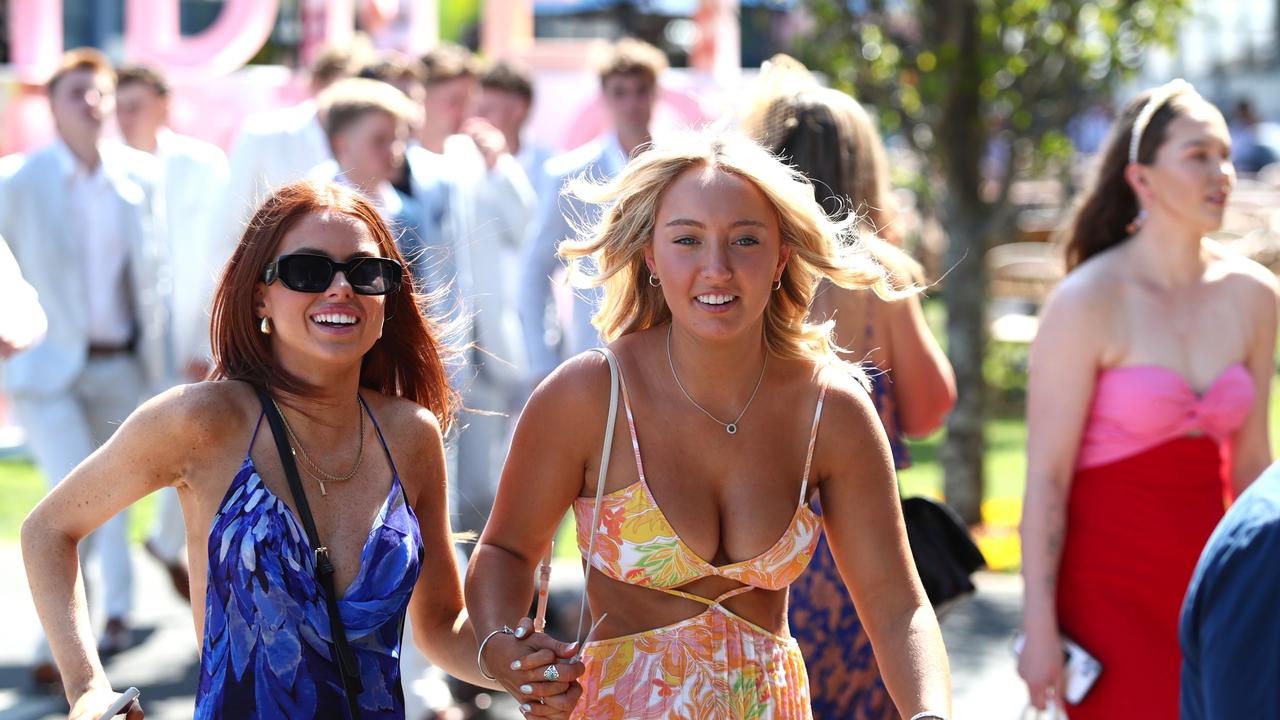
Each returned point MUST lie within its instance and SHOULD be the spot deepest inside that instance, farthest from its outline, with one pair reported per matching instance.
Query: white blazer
(486, 215)
(33, 208)
(558, 218)
(195, 176)
(273, 148)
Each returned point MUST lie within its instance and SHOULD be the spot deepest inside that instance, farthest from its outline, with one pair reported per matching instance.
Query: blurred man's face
(371, 149)
(506, 111)
(629, 100)
(140, 112)
(448, 103)
(81, 100)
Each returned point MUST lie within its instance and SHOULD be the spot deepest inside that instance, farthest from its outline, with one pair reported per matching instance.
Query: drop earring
(265, 326)
(1136, 224)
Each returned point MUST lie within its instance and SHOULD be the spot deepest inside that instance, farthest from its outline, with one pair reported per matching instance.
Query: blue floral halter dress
(267, 646)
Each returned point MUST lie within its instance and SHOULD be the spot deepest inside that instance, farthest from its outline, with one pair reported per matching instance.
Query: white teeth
(335, 319)
(715, 299)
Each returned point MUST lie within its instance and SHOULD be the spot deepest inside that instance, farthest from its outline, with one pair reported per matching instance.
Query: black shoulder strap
(348, 668)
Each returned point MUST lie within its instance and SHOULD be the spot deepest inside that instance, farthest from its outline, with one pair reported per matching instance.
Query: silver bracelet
(922, 715)
(504, 630)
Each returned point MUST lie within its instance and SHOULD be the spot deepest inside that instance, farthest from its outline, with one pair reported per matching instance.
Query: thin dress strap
(813, 437)
(631, 422)
(254, 438)
(378, 429)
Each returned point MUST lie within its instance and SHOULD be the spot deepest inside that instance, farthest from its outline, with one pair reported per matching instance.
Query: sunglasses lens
(374, 276)
(306, 273)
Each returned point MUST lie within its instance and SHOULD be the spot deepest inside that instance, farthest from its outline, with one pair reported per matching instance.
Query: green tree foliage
(964, 80)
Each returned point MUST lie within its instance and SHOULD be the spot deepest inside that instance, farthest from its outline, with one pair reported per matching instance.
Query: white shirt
(95, 222)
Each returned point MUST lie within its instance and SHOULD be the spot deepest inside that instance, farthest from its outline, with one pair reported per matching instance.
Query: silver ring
(551, 674)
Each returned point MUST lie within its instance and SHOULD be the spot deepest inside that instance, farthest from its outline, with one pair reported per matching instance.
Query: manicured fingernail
(521, 632)
(526, 708)
(515, 664)
(526, 689)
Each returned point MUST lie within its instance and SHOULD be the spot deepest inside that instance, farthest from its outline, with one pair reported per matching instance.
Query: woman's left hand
(539, 694)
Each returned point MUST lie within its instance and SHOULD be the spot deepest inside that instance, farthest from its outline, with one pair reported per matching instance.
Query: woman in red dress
(1147, 405)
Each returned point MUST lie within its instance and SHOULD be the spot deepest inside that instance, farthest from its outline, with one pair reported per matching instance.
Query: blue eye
(685, 240)
(747, 240)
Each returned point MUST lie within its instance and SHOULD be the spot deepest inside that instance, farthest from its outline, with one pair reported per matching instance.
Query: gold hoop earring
(265, 326)
(654, 281)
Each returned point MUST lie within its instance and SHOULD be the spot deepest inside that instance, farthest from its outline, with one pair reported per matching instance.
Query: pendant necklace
(729, 427)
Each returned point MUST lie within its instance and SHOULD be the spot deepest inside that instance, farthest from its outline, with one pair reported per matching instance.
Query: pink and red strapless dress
(1150, 485)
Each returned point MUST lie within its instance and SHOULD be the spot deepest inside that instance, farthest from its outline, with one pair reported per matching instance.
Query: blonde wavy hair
(610, 253)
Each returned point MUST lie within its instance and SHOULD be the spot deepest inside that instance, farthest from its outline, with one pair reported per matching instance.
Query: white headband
(1154, 103)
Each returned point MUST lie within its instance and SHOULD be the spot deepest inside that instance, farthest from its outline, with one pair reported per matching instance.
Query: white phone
(1080, 669)
(121, 704)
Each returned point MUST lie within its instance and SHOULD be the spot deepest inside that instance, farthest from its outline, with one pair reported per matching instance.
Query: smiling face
(336, 326)
(717, 250)
(1191, 175)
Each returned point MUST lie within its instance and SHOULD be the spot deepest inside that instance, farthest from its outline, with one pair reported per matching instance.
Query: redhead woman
(316, 328)
(1149, 385)
(734, 413)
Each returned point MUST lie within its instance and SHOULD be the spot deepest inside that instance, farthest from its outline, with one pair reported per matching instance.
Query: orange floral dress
(716, 664)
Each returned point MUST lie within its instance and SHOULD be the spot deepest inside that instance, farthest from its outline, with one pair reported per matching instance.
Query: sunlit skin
(716, 236)
(370, 151)
(81, 102)
(629, 99)
(140, 113)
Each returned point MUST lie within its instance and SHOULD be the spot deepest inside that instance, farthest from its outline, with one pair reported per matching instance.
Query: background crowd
(116, 233)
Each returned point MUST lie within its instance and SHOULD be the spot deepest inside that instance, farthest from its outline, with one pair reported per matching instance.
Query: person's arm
(863, 520)
(153, 449)
(924, 385)
(542, 477)
(1064, 363)
(1251, 444)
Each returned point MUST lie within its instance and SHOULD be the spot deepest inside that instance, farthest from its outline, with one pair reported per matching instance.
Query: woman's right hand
(519, 662)
(1040, 665)
(92, 704)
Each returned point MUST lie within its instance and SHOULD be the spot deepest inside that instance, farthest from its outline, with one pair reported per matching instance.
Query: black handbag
(945, 554)
(348, 668)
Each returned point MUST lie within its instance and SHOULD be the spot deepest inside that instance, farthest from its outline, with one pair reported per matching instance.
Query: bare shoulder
(847, 406)
(578, 386)
(201, 412)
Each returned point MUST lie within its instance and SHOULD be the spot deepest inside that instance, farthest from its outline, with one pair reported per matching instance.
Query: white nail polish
(526, 689)
(525, 708)
(515, 664)
(521, 632)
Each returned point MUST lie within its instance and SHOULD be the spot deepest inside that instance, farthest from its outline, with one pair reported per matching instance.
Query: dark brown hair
(81, 58)
(406, 361)
(143, 75)
(1102, 214)
(506, 76)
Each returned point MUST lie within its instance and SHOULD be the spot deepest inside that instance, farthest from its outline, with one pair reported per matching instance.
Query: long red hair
(407, 361)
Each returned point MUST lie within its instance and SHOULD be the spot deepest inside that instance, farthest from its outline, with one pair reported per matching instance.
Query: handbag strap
(604, 470)
(348, 668)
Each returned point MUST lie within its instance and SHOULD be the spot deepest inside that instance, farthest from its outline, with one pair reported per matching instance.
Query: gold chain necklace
(312, 468)
(729, 427)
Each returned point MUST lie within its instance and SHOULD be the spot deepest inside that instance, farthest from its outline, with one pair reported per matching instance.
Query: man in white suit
(81, 218)
(487, 202)
(192, 172)
(628, 75)
(277, 147)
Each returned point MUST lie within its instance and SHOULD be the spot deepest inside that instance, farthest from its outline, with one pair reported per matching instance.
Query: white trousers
(63, 431)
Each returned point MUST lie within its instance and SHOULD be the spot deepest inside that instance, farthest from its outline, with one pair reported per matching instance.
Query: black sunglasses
(304, 272)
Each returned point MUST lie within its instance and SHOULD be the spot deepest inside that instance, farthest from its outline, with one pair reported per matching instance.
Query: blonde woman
(709, 253)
